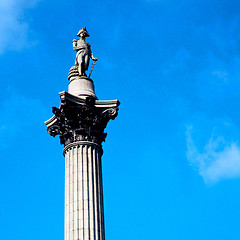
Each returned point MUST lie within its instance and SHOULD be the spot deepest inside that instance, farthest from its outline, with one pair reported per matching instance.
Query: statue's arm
(91, 55)
(93, 58)
(74, 42)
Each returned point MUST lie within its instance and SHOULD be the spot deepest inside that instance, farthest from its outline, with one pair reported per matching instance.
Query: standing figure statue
(84, 52)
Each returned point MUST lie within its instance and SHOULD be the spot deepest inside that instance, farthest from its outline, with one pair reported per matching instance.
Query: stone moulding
(81, 119)
(98, 103)
(79, 143)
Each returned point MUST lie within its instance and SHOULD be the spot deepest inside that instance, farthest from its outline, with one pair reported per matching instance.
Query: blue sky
(171, 163)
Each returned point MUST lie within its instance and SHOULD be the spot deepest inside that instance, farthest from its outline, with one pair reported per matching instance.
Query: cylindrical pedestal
(81, 87)
(84, 215)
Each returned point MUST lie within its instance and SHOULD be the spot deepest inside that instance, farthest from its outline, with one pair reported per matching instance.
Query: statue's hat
(83, 30)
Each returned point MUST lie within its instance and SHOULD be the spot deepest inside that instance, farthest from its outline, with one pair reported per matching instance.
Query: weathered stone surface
(84, 52)
(84, 215)
(81, 119)
(81, 86)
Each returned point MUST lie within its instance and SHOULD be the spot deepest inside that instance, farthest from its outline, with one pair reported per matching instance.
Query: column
(80, 123)
(84, 216)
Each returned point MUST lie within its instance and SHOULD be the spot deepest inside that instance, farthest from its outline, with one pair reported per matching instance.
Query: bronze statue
(84, 52)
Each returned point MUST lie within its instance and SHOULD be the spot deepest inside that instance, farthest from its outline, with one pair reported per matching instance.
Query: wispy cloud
(219, 159)
(221, 75)
(13, 26)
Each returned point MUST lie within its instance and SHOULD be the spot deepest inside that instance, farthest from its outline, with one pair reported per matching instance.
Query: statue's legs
(83, 63)
(81, 67)
(86, 61)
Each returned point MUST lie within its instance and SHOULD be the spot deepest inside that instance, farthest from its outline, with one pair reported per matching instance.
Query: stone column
(84, 216)
(80, 122)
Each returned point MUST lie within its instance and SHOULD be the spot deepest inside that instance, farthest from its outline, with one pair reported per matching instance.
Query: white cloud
(219, 159)
(13, 26)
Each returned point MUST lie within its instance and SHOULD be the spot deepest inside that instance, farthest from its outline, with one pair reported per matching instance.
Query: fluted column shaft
(84, 215)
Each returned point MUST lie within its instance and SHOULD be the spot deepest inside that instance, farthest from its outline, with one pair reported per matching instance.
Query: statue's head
(83, 33)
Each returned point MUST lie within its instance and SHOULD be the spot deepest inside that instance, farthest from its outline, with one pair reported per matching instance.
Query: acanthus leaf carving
(75, 122)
